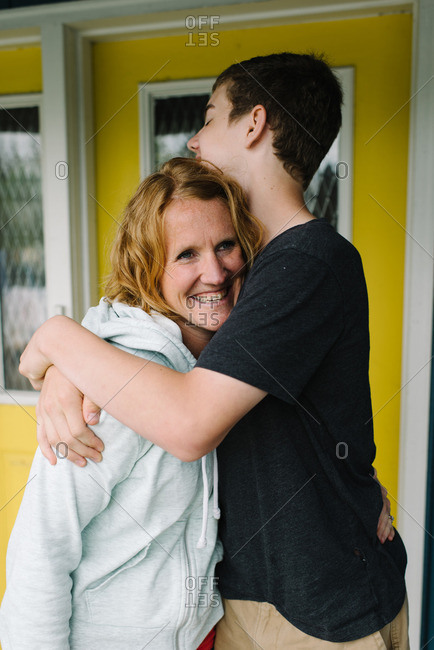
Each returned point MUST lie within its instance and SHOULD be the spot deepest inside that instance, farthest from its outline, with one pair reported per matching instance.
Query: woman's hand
(60, 423)
(385, 529)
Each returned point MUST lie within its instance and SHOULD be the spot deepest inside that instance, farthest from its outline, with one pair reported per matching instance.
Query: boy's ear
(256, 124)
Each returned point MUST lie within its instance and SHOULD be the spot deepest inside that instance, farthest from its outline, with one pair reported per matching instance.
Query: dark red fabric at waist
(208, 642)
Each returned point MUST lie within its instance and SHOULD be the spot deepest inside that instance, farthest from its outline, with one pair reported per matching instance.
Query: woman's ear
(256, 124)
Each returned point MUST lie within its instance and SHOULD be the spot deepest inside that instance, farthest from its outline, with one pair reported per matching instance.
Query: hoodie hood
(132, 328)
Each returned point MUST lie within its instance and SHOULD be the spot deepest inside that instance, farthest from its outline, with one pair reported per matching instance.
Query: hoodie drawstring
(216, 510)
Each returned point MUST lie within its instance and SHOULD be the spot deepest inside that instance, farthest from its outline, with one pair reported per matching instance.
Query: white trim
(111, 19)
(21, 101)
(160, 90)
(19, 397)
(418, 316)
(154, 26)
(86, 171)
(13, 38)
(65, 200)
(56, 192)
(346, 147)
(94, 10)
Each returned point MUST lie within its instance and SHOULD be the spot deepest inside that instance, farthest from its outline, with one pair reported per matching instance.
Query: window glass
(176, 119)
(321, 196)
(22, 275)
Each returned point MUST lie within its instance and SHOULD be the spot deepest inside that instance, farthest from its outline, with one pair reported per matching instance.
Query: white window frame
(161, 90)
(8, 102)
(67, 136)
(346, 153)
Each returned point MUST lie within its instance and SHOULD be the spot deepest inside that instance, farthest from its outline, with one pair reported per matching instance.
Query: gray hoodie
(107, 557)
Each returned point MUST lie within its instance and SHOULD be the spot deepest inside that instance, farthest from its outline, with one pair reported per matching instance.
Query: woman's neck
(194, 338)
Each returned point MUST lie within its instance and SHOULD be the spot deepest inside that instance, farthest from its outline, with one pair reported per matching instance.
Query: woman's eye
(185, 255)
(227, 245)
(206, 123)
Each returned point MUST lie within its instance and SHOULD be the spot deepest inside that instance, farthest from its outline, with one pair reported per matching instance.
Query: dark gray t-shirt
(299, 505)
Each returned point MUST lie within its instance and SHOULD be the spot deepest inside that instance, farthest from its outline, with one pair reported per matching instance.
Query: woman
(123, 554)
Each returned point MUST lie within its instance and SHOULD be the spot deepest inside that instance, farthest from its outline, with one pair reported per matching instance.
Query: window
(171, 112)
(330, 193)
(22, 268)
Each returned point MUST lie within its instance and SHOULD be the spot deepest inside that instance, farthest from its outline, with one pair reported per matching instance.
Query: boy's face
(218, 141)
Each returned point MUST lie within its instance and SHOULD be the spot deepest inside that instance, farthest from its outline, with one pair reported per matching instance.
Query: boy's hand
(60, 423)
(385, 529)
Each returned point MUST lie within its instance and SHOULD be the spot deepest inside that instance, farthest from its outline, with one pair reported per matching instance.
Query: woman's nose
(213, 271)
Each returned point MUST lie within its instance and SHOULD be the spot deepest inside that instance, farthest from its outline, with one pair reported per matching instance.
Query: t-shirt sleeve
(288, 318)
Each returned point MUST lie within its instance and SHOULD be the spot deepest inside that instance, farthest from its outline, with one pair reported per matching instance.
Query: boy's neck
(277, 201)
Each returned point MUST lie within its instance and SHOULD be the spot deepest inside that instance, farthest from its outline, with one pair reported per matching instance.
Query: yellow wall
(380, 50)
(21, 72)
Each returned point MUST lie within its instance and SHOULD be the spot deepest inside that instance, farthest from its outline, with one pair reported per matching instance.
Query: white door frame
(418, 313)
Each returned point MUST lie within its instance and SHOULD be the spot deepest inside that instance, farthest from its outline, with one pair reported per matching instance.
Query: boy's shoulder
(310, 255)
(316, 237)
(314, 243)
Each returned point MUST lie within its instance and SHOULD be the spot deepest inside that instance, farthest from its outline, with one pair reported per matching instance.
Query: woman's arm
(188, 414)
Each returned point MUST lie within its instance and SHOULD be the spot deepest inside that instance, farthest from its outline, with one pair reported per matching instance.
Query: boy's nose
(193, 144)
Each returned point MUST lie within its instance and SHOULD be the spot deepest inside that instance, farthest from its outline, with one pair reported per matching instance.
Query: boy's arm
(188, 414)
(46, 545)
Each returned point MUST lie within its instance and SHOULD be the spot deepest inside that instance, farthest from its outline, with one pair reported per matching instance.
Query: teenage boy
(287, 375)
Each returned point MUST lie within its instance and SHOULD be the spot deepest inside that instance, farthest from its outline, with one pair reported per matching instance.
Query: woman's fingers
(70, 436)
(91, 411)
(385, 528)
(62, 442)
(41, 436)
(81, 439)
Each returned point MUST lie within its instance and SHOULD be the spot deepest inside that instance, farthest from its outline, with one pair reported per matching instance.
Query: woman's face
(201, 279)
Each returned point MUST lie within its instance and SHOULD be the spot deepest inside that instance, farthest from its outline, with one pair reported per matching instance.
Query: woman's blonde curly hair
(138, 252)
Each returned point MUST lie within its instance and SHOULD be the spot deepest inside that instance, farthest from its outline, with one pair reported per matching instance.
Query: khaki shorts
(259, 626)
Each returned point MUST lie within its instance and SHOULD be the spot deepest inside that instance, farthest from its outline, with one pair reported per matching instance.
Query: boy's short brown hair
(303, 99)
